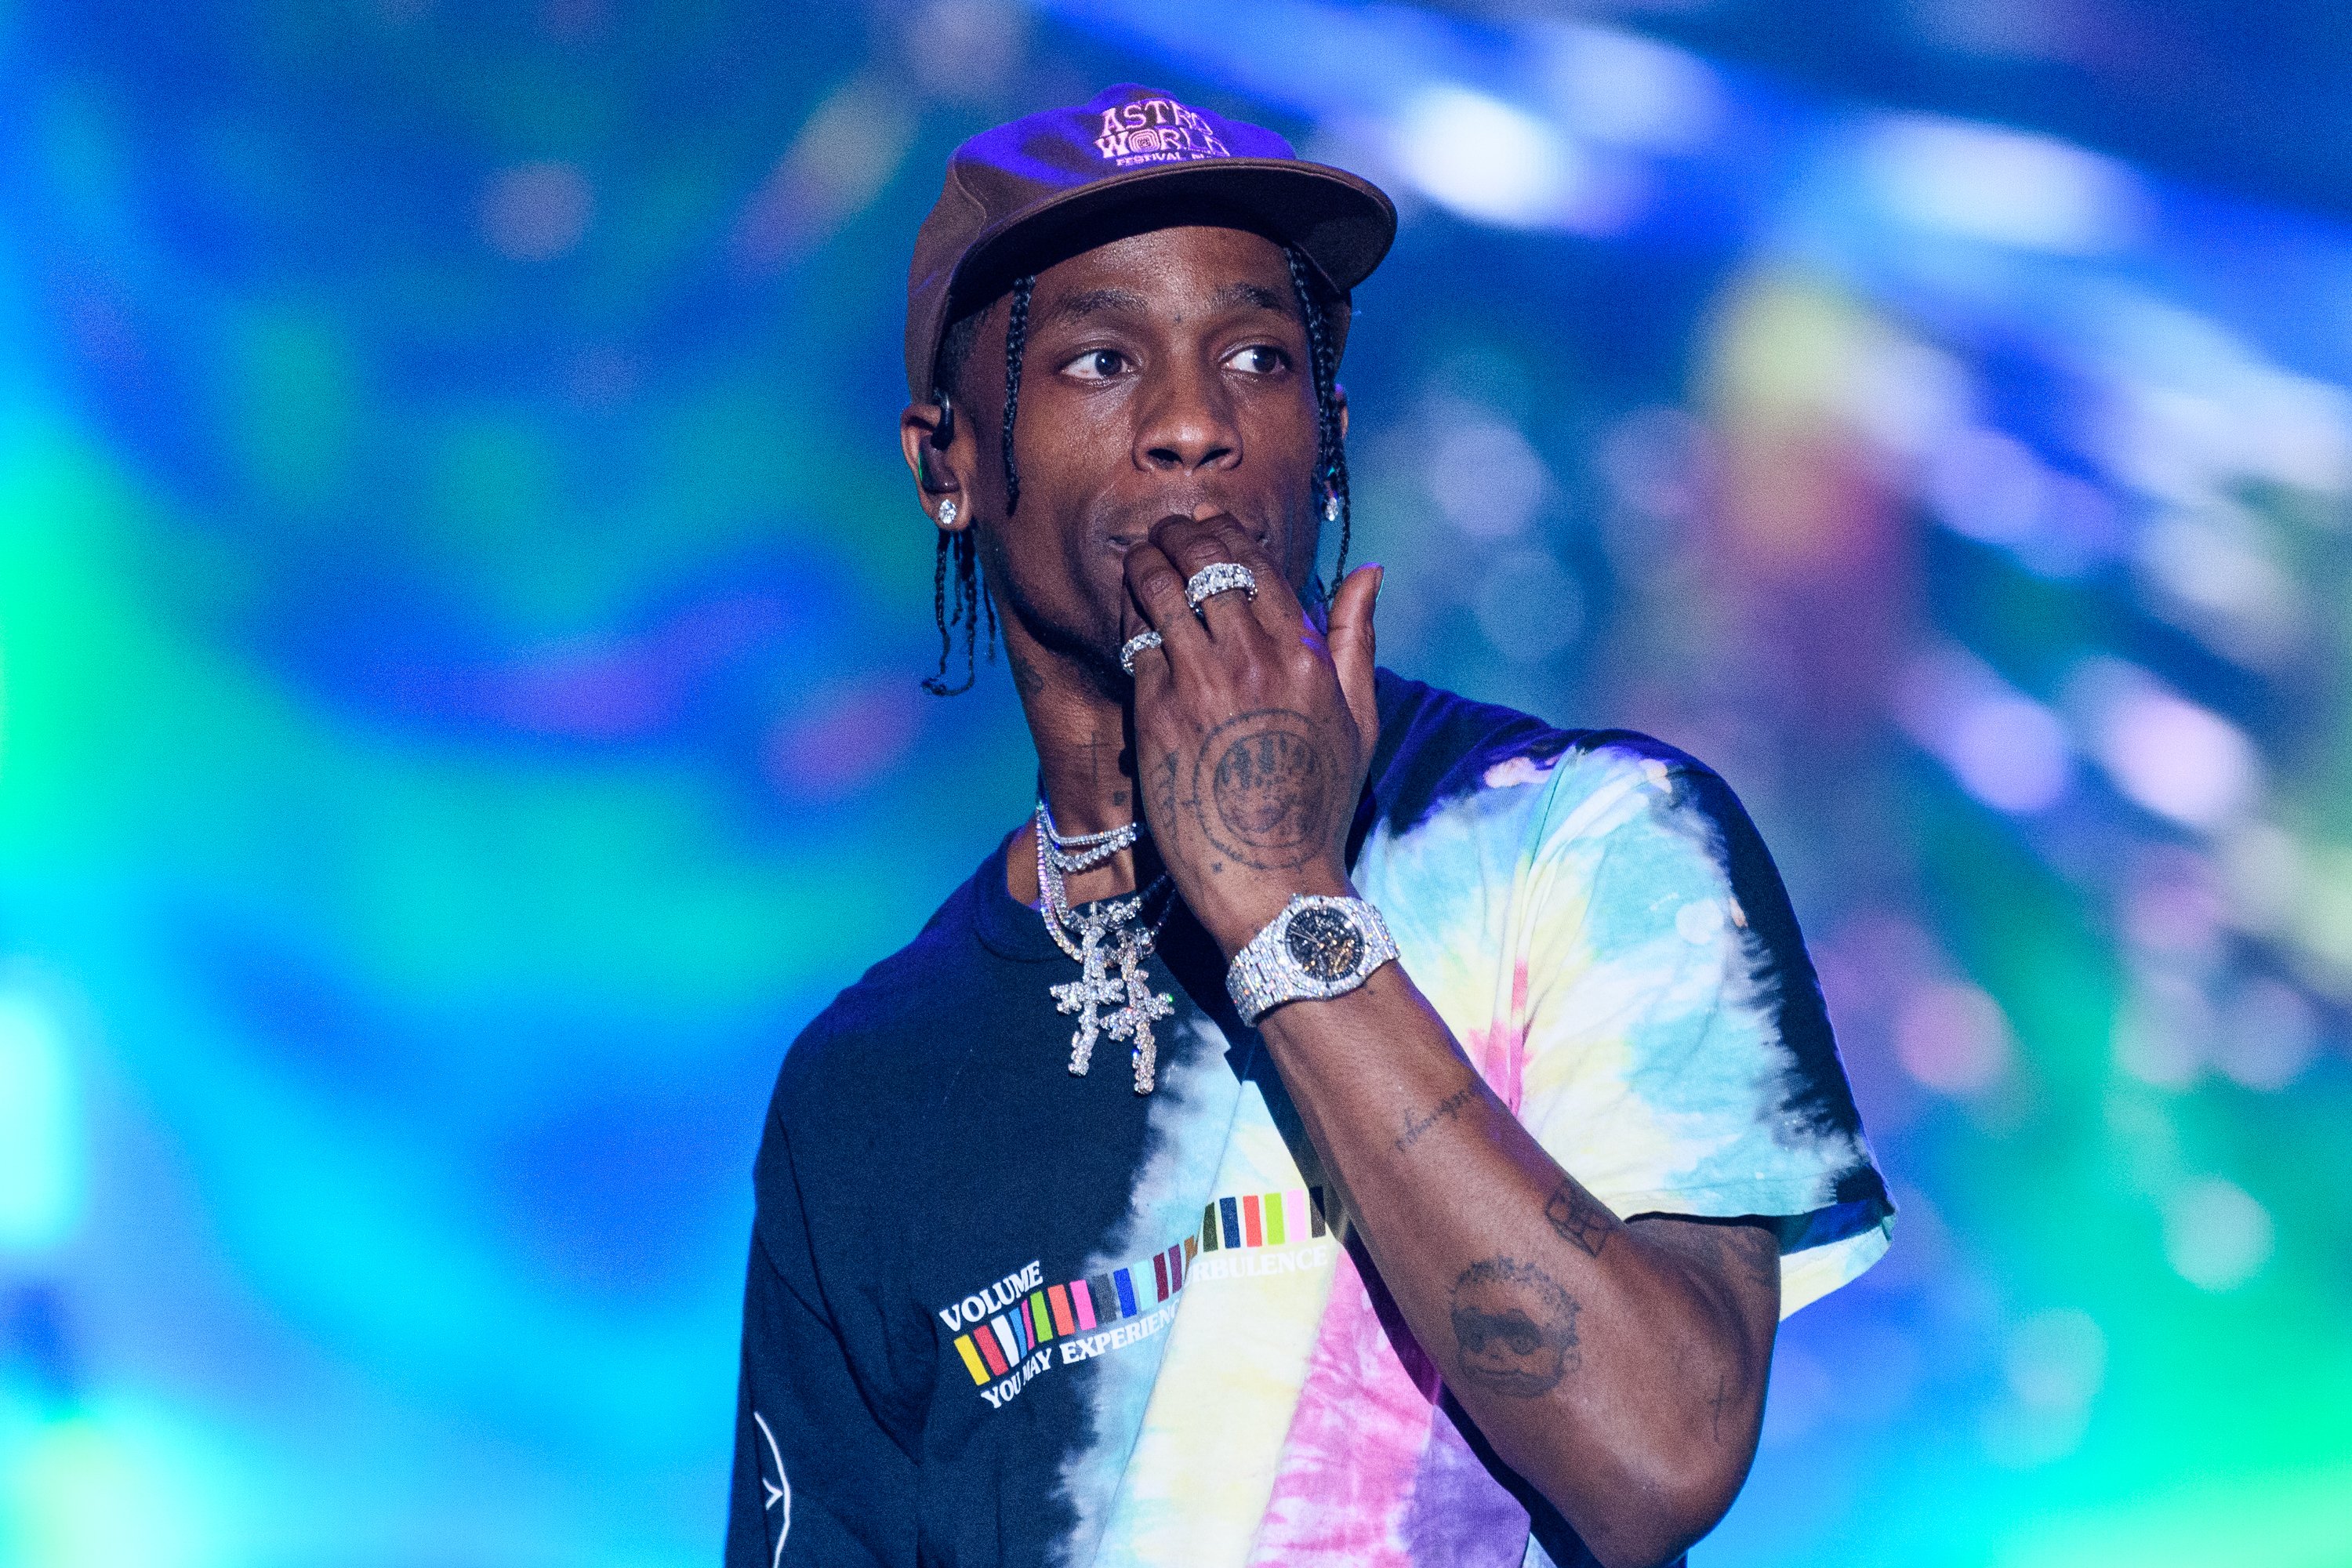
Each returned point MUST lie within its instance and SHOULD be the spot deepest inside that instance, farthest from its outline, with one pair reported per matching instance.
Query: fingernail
(1379, 581)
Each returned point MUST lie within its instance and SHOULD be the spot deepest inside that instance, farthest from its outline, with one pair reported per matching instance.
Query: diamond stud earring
(1330, 509)
(947, 512)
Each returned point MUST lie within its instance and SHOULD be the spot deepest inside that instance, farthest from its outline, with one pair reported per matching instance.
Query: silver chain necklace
(1113, 931)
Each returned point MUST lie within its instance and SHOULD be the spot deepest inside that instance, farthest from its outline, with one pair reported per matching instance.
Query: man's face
(1166, 372)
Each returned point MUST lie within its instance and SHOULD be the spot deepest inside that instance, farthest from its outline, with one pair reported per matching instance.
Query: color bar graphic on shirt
(991, 1349)
(1041, 1321)
(1260, 1219)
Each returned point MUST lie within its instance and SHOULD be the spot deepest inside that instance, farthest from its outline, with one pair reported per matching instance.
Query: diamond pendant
(1133, 1022)
(1090, 991)
(1123, 1007)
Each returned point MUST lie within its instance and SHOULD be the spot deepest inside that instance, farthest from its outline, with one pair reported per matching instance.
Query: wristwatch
(1317, 947)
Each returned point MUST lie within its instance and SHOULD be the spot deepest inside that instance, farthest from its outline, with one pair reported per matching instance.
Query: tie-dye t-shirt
(1000, 1315)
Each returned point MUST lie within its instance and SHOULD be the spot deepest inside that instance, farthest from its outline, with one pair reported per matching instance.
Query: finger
(1193, 543)
(1151, 658)
(1351, 642)
(1275, 607)
(1157, 587)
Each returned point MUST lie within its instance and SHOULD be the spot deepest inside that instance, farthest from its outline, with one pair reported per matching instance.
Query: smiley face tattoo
(1514, 1328)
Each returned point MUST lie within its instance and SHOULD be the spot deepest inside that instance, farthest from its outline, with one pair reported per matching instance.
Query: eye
(1257, 359)
(1096, 364)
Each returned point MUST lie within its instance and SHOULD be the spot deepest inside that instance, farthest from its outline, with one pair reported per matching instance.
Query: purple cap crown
(1013, 191)
(1160, 130)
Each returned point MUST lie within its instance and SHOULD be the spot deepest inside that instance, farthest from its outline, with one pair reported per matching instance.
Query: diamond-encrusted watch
(1317, 947)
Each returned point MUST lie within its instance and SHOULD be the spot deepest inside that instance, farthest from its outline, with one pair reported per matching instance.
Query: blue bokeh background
(463, 607)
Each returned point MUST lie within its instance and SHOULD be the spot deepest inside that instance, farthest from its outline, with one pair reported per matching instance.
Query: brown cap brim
(1342, 223)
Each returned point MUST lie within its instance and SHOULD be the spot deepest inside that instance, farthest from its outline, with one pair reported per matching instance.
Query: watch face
(1324, 942)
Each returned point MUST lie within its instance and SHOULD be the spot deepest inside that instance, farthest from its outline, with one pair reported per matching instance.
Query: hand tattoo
(1168, 790)
(1262, 788)
(1451, 1105)
(1514, 1329)
(1578, 1217)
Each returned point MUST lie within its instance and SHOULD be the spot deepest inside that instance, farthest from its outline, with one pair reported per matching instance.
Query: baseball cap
(1025, 193)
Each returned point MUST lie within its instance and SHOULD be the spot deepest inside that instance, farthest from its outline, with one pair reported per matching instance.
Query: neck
(1085, 763)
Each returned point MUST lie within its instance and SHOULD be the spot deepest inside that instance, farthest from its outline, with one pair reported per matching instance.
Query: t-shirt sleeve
(816, 1478)
(1677, 1057)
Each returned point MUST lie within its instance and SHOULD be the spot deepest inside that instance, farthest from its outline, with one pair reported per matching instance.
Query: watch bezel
(1266, 973)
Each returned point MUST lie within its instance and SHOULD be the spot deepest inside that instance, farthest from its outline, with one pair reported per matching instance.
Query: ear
(939, 471)
(1340, 405)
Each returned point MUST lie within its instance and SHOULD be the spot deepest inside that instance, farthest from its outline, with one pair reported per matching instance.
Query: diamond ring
(1219, 577)
(1136, 644)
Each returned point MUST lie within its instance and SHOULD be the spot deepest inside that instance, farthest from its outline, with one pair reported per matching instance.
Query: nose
(1187, 425)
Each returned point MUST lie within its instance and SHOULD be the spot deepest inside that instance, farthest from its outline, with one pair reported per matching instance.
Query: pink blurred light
(2164, 752)
(2005, 748)
(535, 212)
(843, 738)
(1953, 1038)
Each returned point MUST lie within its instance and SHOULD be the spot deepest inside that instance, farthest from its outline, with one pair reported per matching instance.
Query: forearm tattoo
(1514, 1329)
(1578, 1217)
(1450, 1106)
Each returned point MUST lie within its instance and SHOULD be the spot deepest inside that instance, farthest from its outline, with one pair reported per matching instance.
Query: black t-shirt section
(925, 1140)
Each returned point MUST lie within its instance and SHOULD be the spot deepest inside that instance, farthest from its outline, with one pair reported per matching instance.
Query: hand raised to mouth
(1252, 729)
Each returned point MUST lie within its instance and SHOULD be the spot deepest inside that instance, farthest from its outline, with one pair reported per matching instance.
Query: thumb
(1350, 641)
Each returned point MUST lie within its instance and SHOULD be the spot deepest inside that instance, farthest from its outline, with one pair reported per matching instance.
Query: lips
(1121, 543)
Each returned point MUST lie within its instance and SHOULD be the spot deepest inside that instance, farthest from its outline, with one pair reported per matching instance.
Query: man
(1478, 1116)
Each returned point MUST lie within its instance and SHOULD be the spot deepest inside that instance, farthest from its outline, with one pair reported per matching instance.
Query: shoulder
(889, 1040)
(1442, 754)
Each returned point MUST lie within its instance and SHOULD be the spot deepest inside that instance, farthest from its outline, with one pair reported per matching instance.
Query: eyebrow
(1100, 301)
(1252, 296)
(1095, 303)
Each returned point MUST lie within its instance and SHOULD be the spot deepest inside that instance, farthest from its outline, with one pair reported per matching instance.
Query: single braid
(979, 592)
(1330, 445)
(1016, 339)
(962, 610)
(937, 685)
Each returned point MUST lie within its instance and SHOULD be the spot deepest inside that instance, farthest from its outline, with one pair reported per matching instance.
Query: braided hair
(1330, 492)
(958, 551)
(1016, 340)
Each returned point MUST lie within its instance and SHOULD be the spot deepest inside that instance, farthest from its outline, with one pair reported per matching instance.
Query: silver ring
(1219, 577)
(1136, 644)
